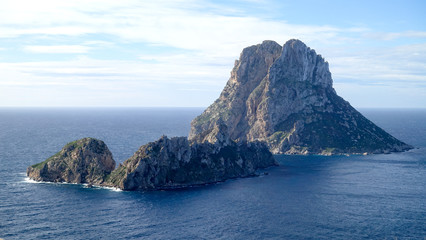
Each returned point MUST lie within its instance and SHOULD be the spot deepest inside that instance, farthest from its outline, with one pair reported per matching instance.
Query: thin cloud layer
(172, 48)
(57, 49)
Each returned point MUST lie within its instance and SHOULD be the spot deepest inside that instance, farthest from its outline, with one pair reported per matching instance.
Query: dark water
(307, 197)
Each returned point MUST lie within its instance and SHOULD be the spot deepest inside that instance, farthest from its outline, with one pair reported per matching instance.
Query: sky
(179, 53)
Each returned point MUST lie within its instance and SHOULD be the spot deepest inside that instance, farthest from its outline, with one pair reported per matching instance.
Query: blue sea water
(306, 197)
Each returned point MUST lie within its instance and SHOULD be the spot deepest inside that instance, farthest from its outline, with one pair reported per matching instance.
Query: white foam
(110, 188)
(85, 185)
(29, 180)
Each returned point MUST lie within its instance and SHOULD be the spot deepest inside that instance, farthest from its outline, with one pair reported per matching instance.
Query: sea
(307, 197)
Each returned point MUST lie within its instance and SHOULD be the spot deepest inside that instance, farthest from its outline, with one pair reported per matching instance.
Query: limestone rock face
(176, 162)
(218, 134)
(87, 160)
(246, 77)
(284, 96)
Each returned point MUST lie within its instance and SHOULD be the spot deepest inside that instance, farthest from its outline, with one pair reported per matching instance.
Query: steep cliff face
(286, 98)
(87, 160)
(246, 77)
(175, 163)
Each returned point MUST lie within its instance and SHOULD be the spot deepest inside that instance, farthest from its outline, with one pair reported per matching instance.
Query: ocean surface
(306, 197)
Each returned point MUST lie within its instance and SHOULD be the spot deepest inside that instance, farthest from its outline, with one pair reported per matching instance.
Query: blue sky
(180, 53)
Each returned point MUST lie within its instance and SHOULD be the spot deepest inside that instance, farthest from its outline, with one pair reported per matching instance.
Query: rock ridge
(176, 163)
(162, 164)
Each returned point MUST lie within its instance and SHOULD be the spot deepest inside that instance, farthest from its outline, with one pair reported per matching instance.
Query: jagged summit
(300, 63)
(285, 96)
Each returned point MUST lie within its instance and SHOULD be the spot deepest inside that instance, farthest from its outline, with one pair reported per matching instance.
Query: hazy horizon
(179, 53)
(177, 107)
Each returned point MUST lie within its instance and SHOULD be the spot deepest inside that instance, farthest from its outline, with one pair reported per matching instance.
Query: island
(163, 164)
(284, 96)
(278, 100)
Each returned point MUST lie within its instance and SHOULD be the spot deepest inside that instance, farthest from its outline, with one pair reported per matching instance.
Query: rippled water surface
(307, 197)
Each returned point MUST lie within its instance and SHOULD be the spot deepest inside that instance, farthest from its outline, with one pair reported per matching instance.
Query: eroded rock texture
(176, 162)
(285, 97)
(87, 160)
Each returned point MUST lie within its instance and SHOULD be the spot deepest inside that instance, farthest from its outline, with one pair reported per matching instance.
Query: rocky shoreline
(163, 164)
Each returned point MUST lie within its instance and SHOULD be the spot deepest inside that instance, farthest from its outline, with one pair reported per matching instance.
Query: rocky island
(285, 97)
(163, 164)
(278, 99)
(87, 160)
(177, 162)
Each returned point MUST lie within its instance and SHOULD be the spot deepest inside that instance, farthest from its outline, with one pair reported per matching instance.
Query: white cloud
(400, 65)
(112, 73)
(209, 37)
(170, 23)
(57, 49)
(98, 43)
(89, 82)
(386, 36)
(379, 96)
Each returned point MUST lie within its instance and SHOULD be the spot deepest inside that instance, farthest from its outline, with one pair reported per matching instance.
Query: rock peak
(269, 43)
(285, 96)
(294, 41)
(299, 63)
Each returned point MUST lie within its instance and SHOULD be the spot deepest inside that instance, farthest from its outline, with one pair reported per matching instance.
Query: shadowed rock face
(166, 163)
(87, 160)
(175, 163)
(284, 96)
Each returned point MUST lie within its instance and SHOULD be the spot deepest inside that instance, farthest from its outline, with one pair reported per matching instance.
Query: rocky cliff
(87, 160)
(285, 97)
(176, 162)
(166, 163)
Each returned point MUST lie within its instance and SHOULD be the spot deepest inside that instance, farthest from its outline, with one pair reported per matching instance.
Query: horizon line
(204, 107)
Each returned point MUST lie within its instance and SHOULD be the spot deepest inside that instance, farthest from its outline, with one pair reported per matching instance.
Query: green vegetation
(257, 92)
(73, 144)
(288, 124)
(328, 150)
(41, 164)
(78, 143)
(116, 176)
(202, 119)
(70, 146)
(278, 137)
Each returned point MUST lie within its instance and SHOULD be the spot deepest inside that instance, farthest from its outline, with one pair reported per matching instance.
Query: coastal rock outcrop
(87, 160)
(285, 97)
(176, 162)
(163, 164)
